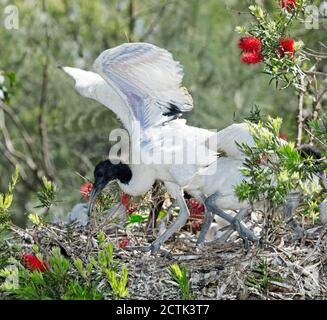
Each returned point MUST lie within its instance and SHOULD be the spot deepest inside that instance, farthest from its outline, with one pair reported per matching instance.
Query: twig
(314, 137)
(43, 99)
(315, 73)
(21, 128)
(300, 113)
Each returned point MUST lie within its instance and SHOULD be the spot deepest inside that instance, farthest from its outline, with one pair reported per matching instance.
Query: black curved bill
(93, 197)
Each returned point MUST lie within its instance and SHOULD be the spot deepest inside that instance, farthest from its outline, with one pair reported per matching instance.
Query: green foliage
(118, 284)
(136, 218)
(179, 276)
(274, 169)
(68, 279)
(270, 29)
(6, 201)
(260, 278)
(47, 194)
(254, 115)
(319, 131)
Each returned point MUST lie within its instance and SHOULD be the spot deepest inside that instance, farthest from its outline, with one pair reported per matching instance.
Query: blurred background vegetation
(67, 133)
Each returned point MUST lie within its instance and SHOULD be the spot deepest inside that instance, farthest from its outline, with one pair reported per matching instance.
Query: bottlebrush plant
(64, 278)
(267, 40)
(6, 201)
(179, 276)
(274, 169)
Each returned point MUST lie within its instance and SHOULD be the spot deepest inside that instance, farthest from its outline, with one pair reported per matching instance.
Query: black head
(104, 172)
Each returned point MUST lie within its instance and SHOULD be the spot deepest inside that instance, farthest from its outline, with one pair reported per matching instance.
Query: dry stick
(300, 114)
(12, 155)
(315, 138)
(21, 128)
(9, 145)
(131, 22)
(316, 73)
(316, 55)
(43, 99)
(13, 161)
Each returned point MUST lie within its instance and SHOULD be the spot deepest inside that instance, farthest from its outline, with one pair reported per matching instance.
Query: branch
(21, 128)
(315, 73)
(9, 146)
(131, 22)
(300, 114)
(43, 99)
(22, 173)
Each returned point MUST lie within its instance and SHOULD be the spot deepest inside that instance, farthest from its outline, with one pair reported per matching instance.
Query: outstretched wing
(150, 80)
(91, 85)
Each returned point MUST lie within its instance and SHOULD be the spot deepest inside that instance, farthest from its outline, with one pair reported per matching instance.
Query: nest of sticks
(280, 268)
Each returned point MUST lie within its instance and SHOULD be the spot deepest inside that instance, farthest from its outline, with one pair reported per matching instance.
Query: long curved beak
(93, 196)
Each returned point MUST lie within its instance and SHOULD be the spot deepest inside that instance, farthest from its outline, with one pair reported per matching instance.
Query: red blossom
(85, 190)
(250, 44)
(32, 263)
(123, 243)
(286, 46)
(127, 203)
(283, 136)
(290, 5)
(124, 200)
(251, 57)
(196, 208)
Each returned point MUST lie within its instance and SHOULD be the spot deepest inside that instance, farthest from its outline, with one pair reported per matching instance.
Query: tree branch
(49, 171)
(21, 128)
(300, 113)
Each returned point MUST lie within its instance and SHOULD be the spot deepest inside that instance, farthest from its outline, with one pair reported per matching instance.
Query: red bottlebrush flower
(251, 57)
(283, 136)
(290, 5)
(32, 263)
(250, 44)
(85, 190)
(286, 46)
(196, 208)
(126, 202)
(123, 243)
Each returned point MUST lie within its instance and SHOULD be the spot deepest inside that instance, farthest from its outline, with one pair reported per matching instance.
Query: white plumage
(141, 84)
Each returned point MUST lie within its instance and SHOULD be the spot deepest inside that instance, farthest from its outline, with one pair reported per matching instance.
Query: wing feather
(150, 79)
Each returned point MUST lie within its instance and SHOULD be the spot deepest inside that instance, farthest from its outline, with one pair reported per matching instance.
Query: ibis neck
(143, 177)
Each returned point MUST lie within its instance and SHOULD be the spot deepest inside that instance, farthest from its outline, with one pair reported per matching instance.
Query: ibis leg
(242, 230)
(225, 236)
(180, 221)
(208, 216)
(290, 205)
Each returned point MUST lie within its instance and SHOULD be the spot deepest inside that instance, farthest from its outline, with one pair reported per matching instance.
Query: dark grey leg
(242, 230)
(208, 216)
(290, 205)
(176, 192)
(223, 238)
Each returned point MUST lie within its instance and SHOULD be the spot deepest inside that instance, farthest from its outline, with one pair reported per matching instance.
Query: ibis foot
(241, 229)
